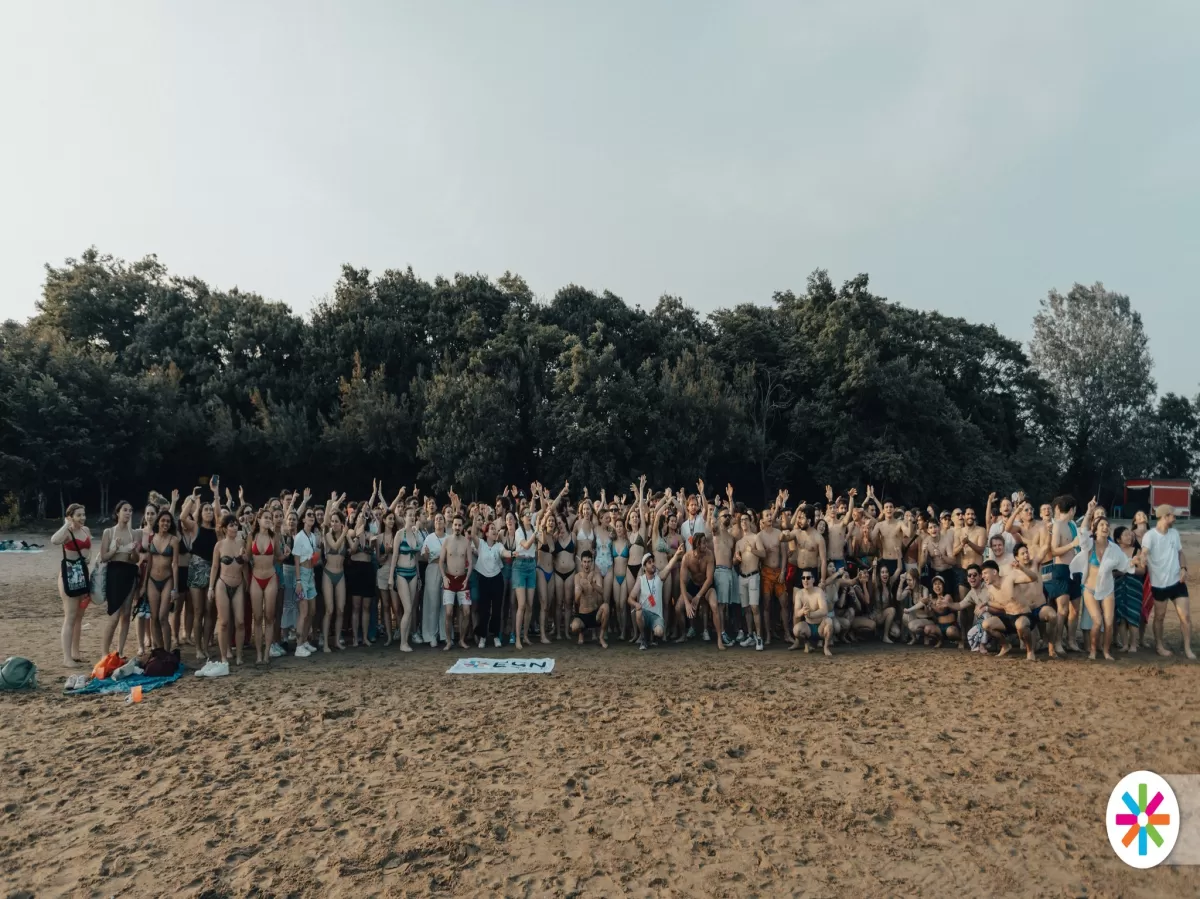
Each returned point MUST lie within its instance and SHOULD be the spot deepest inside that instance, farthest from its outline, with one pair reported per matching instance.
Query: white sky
(968, 156)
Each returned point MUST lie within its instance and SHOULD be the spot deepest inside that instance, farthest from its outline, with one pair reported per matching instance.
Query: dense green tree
(1090, 346)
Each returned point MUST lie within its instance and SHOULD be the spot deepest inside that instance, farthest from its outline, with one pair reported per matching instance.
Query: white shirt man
(1167, 570)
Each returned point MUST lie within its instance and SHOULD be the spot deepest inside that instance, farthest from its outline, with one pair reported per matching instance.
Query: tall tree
(1089, 344)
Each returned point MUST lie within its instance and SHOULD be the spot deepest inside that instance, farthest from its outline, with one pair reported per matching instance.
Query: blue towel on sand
(145, 681)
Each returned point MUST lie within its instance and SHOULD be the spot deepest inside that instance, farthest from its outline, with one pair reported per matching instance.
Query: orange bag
(107, 665)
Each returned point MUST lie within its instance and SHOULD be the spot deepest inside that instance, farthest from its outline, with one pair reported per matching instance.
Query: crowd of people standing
(294, 576)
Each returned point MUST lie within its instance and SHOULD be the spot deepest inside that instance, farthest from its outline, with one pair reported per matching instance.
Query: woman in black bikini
(405, 548)
(360, 579)
(141, 603)
(564, 578)
(333, 586)
(119, 551)
(264, 585)
(226, 589)
(162, 574)
(76, 541)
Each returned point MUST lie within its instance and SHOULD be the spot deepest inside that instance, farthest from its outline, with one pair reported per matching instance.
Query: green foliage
(1090, 347)
(134, 377)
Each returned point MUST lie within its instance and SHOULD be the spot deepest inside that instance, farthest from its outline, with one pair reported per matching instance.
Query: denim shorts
(524, 574)
(308, 583)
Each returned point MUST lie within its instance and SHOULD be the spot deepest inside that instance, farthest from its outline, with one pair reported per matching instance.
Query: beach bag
(18, 674)
(107, 665)
(75, 572)
(161, 663)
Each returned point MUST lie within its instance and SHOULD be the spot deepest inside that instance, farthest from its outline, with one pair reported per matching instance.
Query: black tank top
(205, 543)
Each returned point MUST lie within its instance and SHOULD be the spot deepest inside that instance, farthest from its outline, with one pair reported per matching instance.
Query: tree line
(129, 377)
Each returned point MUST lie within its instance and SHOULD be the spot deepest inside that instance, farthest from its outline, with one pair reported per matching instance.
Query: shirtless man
(837, 522)
(772, 588)
(1009, 615)
(1028, 590)
(811, 615)
(696, 577)
(937, 551)
(1062, 588)
(724, 537)
(748, 553)
(998, 553)
(970, 541)
(591, 612)
(809, 552)
(455, 563)
(889, 535)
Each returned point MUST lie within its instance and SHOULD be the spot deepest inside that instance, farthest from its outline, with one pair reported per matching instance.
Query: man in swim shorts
(591, 613)
(455, 563)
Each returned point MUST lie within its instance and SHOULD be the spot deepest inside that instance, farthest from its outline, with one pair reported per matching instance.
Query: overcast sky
(968, 156)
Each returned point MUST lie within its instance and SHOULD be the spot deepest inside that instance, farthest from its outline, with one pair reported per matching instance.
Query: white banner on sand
(502, 666)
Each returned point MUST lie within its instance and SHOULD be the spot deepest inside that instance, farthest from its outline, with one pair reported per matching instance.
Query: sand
(887, 771)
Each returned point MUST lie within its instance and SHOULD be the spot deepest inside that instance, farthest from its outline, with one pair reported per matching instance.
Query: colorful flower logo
(1142, 830)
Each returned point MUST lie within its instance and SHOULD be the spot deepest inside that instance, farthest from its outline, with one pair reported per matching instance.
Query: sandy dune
(677, 772)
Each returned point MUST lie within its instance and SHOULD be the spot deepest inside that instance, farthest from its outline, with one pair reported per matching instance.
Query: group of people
(293, 576)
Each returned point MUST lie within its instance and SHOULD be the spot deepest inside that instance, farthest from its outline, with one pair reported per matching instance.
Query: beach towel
(108, 685)
(502, 666)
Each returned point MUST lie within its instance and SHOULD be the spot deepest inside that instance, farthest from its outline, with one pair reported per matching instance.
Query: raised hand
(852, 492)
(700, 486)
(829, 492)
(307, 492)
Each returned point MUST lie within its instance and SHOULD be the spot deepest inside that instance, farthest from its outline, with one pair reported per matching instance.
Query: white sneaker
(129, 669)
(496, 642)
(311, 649)
(758, 643)
(741, 635)
(745, 642)
(276, 651)
(707, 638)
(302, 651)
(416, 638)
(206, 669)
(220, 669)
(482, 642)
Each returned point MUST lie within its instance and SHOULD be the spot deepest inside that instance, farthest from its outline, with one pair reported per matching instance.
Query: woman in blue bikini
(621, 581)
(407, 546)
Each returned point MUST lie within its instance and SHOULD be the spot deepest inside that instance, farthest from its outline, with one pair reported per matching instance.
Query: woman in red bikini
(76, 541)
(264, 585)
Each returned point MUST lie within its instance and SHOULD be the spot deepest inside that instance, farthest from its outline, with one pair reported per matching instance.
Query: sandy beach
(886, 771)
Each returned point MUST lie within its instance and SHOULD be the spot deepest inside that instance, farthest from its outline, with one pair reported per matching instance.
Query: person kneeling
(646, 598)
(591, 613)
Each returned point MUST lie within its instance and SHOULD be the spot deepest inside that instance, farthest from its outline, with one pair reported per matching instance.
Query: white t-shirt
(525, 553)
(489, 563)
(433, 546)
(691, 527)
(303, 546)
(650, 594)
(1162, 551)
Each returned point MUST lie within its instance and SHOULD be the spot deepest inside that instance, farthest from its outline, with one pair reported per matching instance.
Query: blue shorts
(1059, 583)
(524, 574)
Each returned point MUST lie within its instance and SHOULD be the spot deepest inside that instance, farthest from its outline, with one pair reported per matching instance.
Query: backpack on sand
(18, 674)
